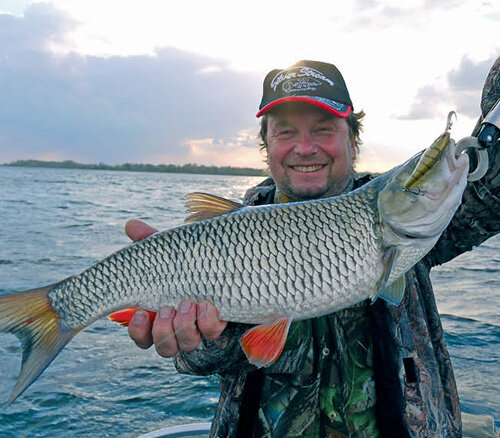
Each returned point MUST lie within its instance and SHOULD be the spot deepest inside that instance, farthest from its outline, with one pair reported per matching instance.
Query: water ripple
(60, 221)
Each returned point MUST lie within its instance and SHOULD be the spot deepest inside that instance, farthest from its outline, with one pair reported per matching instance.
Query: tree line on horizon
(142, 167)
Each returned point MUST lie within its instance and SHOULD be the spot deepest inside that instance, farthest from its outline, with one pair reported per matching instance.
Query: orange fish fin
(264, 343)
(205, 206)
(32, 319)
(124, 316)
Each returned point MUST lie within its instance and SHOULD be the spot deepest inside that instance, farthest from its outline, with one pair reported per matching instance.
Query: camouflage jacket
(415, 390)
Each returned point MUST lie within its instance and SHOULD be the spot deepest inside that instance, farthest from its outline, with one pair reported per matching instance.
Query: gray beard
(285, 193)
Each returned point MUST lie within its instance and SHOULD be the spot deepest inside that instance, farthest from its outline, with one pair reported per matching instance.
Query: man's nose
(306, 145)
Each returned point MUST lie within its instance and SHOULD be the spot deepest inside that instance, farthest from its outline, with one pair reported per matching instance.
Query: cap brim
(338, 109)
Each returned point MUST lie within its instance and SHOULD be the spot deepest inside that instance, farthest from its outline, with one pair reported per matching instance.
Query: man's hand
(172, 330)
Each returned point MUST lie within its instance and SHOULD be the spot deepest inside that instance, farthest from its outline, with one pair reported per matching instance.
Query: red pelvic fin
(124, 316)
(264, 343)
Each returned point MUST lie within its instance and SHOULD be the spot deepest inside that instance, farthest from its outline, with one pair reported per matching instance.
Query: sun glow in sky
(177, 82)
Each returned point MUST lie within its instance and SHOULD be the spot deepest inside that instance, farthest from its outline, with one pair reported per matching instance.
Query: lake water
(57, 222)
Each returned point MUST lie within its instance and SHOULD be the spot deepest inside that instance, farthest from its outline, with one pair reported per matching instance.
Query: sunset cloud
(113, 82)
(461, 91)
(111, 109)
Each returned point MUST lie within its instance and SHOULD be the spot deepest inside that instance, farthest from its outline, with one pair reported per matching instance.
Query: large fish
(265, 265)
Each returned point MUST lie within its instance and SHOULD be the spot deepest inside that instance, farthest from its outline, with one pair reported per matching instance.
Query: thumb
(138, 230)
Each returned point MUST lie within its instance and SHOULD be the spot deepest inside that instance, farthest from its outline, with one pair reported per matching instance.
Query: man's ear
(353, 148)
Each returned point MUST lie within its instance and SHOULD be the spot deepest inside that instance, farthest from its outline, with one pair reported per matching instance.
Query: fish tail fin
(124, 316)
(30, 316)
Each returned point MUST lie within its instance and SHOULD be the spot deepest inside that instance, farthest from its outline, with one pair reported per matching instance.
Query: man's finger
(186, 331)
(163, 333)
(208, 321)
(138, 230)
(139, 329)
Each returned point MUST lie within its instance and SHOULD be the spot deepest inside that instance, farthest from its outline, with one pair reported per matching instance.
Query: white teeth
(307, 168)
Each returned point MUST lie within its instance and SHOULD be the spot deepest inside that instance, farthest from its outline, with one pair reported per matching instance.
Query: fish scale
(265, 265)
(191, 272)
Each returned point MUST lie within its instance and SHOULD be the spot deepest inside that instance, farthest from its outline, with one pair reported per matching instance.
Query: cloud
(380, 15)
(461, 91)
(41, 25)
(378, 157)
(443, 4)
(111, 109)
(494, 16)
(15, 7)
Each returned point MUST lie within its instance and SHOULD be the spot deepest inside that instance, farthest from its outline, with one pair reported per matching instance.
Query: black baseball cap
(317, 83)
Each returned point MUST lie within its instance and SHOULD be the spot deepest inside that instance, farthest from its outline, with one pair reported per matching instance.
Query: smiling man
(365, 371)
(310, 145)
(310, 152)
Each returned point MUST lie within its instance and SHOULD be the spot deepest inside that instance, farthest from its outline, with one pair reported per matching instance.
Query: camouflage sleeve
(478, 217)
(225, 356)
(222, 356)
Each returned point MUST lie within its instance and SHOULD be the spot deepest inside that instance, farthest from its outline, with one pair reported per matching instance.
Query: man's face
(310, 152)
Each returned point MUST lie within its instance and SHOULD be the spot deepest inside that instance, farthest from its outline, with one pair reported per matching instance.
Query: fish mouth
(444, 148)
(307, 168)
(459, 161)
(428, 160)
(457, 164)
(424, 210)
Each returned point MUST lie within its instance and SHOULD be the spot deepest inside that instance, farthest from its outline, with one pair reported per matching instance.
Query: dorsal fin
(205, 206)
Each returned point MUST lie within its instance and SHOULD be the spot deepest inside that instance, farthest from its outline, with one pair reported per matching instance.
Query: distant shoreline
(139, 167)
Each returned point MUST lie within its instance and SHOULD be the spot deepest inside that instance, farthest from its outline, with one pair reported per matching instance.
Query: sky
(157, 81)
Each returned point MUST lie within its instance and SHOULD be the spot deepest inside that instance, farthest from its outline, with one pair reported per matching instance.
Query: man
(365, 371)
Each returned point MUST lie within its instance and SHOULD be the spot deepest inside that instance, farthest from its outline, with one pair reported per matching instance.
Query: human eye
(325, 129)
(284, 132)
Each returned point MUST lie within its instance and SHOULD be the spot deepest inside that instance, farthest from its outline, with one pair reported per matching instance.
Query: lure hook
(452, 117)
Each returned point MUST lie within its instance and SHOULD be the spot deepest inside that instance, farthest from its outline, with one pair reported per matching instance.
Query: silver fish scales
(268, 264)
(299, 260)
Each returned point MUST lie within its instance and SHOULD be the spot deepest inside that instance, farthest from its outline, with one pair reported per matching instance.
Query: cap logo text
(300, 84)
(299, 78)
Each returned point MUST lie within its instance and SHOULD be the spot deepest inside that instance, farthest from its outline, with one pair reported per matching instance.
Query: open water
(57, 222)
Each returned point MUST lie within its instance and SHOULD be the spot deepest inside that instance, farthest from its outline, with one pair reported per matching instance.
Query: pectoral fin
(392, 293)
(205, 206)
(264, 343)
